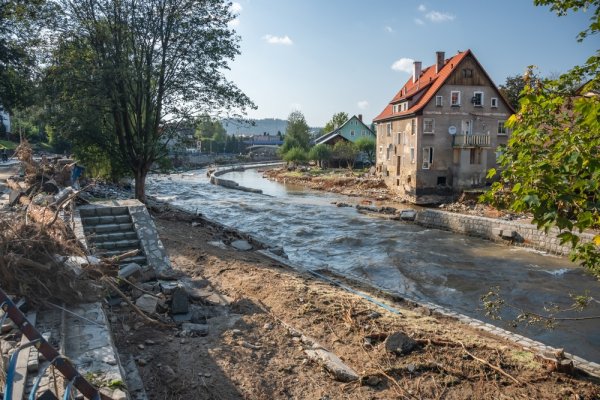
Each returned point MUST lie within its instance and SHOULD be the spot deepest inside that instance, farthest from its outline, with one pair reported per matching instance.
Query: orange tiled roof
(429, 82)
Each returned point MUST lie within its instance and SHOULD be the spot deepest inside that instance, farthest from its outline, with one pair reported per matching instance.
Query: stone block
(180, 303)
(130, 270)
(408, 215)
(147, 303)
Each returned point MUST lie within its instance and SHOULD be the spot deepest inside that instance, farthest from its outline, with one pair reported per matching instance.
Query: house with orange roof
(440, 133)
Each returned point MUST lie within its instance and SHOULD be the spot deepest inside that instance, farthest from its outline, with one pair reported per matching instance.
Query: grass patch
(7, 144)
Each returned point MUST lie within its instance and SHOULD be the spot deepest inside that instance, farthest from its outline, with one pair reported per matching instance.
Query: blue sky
(326, 56)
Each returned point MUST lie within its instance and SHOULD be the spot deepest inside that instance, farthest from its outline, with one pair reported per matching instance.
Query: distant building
(350, 131)
(439, 134)
(263, 140)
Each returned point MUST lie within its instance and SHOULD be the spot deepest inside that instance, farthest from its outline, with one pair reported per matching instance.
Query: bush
(320, 153)
(296, 155)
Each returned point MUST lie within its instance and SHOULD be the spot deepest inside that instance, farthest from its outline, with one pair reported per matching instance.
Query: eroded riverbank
(424, 264)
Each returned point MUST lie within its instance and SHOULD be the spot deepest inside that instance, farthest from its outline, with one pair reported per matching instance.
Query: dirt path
(250, 302)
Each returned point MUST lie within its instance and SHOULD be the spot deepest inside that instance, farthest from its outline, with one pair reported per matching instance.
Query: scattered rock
(371, 380)
(181, 318)
(169, 374)
(189, 329)
(130, 270)
(408, 215)
(241, 245)
(399, 343)
(147, 303)
(118, 395)
(180, 303)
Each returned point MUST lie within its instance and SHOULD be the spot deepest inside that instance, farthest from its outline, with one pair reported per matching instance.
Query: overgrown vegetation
(551, 166)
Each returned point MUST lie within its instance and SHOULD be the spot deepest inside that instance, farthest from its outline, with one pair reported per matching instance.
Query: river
(423, 264)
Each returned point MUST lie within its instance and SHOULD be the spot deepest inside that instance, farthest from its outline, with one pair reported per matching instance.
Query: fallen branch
(495, 368)
(135, 308)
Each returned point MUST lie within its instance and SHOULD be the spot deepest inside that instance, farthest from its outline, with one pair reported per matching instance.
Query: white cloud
(234, 23)
(389, 29)
(436, 16)
(236, 7)
(419, 21)
(422, 8)
(363, 104)
(404, 65)
(284, 40)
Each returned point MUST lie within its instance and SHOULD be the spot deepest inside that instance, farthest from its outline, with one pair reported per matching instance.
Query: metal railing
(475, 140)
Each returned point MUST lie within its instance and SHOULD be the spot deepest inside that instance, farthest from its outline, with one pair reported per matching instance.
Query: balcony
(475, 140)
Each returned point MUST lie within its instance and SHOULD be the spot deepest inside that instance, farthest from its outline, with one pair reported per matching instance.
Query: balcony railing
(475, 140)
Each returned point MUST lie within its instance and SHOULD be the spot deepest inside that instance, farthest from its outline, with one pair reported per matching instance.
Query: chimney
(440, 55)
(416, 71)
(360, 117)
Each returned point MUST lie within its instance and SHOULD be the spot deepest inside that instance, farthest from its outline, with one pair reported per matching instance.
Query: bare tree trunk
(140, 183)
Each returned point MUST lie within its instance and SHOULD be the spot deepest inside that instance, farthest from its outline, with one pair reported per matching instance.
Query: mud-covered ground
(257, 310)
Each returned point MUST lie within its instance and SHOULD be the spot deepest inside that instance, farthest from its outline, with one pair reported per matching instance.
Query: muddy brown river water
(423, 264)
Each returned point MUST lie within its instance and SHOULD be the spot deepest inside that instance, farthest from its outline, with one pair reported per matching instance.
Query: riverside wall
(513, 232)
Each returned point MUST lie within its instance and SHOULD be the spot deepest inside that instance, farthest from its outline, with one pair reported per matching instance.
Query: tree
(321, 153)
(345, 151)
(367, 145)
(296, 155)
(145, 66)
(20, 24)
(296, 133)
(336, 121)
(512, 89)
(551, 166)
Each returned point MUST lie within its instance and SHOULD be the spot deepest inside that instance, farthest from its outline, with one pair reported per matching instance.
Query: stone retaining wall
(513, 232)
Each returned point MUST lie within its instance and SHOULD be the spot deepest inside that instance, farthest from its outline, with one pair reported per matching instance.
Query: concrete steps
(110, 232)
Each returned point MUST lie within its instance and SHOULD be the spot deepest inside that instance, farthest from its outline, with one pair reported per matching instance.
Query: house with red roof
(440, 133)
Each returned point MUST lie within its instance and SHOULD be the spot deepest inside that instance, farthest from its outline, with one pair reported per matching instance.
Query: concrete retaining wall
(514, 232)
(215, 180)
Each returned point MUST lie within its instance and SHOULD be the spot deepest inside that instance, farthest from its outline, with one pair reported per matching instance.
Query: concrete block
(131, 269)
(241, 245)
(147, 303)
(408, 215)
(180, 303)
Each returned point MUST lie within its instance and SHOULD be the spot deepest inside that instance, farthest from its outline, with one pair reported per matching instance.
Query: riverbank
(372, 189)
(263, 317)
(276, 333)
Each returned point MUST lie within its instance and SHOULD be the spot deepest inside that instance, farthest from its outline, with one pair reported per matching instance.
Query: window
(395, 108)
(364, 133)
(467, 73)
(475, 156)
(389, 128)
(352, 132)
(439, 101)
(405, 106)
(427, 157)
(501, 128)
(381, 149)
(413, 126)
(477, 99)
(441, 181)
(455, 98)
(428, 125)
(412, 155)
(494, 102)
